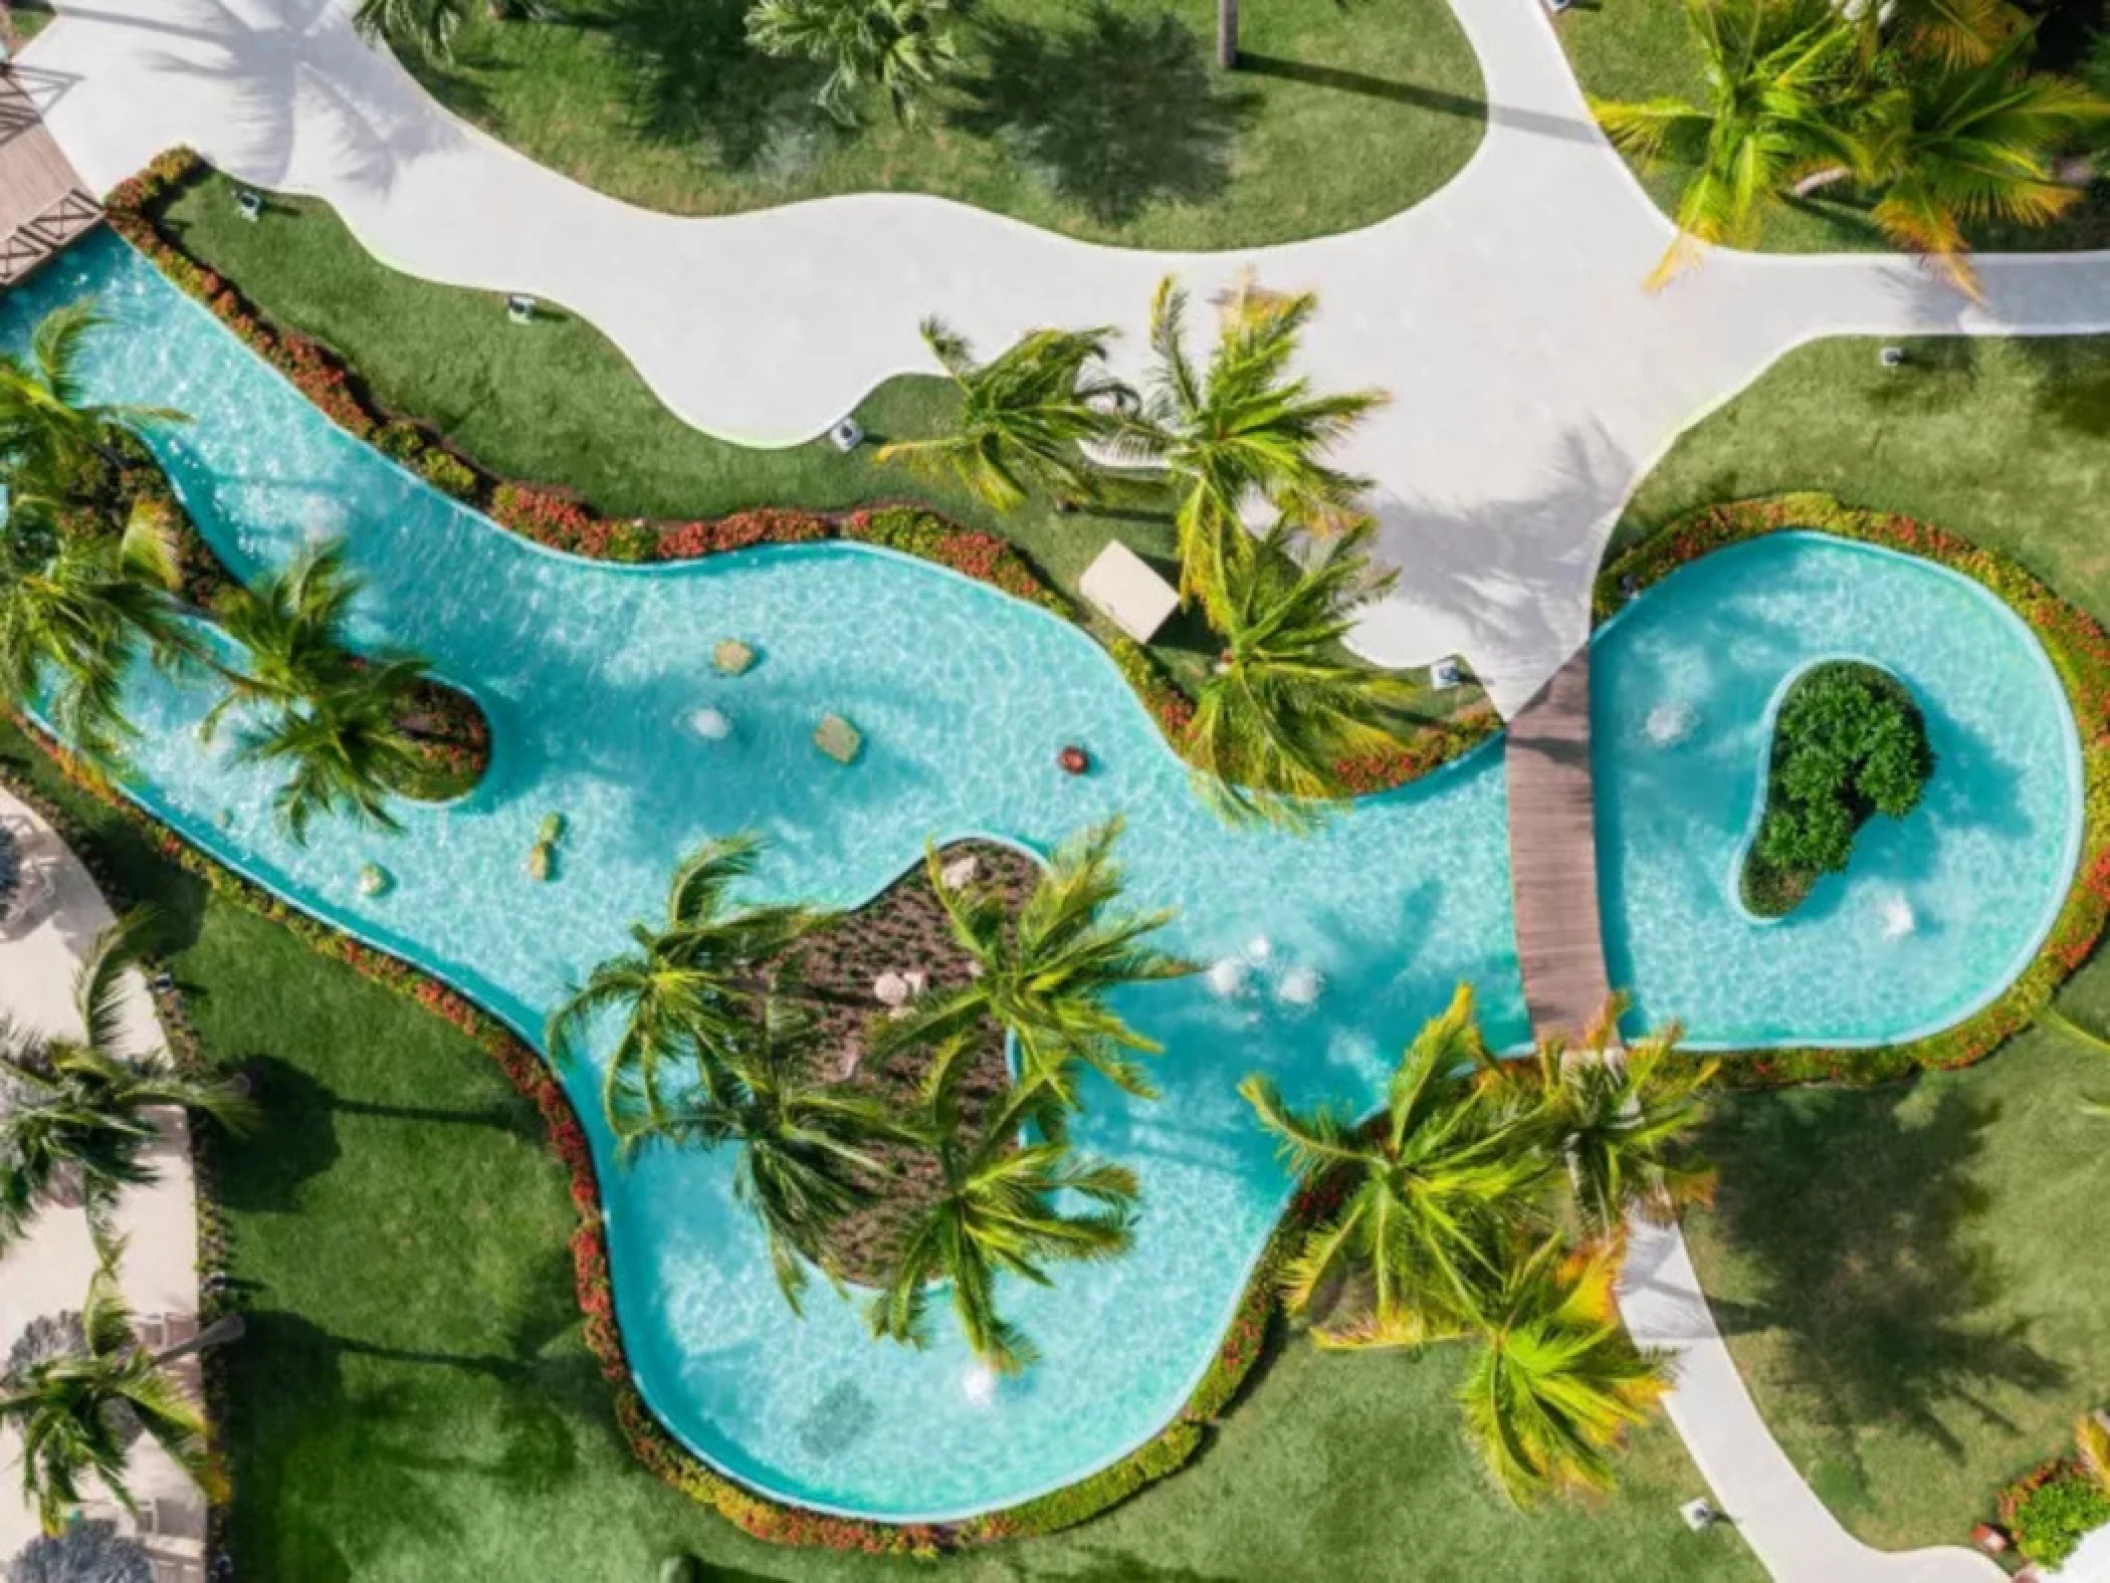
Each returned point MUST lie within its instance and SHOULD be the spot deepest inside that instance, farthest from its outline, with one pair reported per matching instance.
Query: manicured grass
(1640, 49)
(1911, 1279)
(1101, 120)
(413, 1402)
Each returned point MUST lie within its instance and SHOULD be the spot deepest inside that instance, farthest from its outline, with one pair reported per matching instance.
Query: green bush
(2051, 1519)
(448, 473)
(1849, 743)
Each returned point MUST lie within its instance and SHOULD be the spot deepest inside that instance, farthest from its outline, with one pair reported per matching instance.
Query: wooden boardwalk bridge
(43, 202)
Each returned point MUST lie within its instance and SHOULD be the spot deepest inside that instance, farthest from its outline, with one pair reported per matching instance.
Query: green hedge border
(1244, 1342)
(2080, 653)
(558, 519)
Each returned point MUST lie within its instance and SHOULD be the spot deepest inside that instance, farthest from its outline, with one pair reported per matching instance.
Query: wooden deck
(43, 203)
(1553, 854)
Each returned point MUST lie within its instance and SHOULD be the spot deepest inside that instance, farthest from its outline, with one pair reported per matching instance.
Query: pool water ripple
(591, 673)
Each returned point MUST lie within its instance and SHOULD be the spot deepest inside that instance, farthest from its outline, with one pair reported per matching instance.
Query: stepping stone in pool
(837, 738)
(732, 657)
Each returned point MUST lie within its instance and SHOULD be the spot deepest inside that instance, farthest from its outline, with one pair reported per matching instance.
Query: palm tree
(344, 750)
(1046, 975)
(803, 1145)
(291, 627)
(1555, 1381)
(996, 1213)
(49, 431)
(690, 991)
(1441, 1178)
(74, 1412)
(426, 26)
(74, 1112)
(1023, 418)
(1953, 32)
(903, 47)
(1967, 142)
(1620, 1120)
(1241, 427)
(1285, 707)
(1781, 104)
(1227, 34)
(73, 612)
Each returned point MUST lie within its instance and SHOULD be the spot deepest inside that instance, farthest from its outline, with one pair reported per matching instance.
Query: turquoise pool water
(591, 672)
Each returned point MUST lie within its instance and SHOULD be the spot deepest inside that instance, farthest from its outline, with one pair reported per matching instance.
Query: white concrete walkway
(1754, 1483)
(1535, 380)
(48, 1272)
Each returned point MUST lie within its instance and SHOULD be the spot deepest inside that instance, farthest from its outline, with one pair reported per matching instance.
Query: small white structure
(847, 435)
(520, 308)
(959, 872)
(712, 725)
(1132, 596)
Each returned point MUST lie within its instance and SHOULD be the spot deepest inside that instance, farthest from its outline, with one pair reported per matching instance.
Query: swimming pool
(589, 673)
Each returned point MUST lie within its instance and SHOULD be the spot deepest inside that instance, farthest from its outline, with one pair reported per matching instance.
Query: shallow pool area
(594, 677)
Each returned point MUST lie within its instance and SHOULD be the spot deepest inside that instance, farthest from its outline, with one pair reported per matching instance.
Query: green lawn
(1912, 1279)
(1639, 49)
(413, 1402)
(1102, 120)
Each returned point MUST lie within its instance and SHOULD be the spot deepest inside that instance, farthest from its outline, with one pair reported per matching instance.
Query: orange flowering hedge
(2079, 651)
(559, 519)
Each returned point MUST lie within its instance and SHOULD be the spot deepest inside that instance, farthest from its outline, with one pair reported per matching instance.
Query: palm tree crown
(1441, 1177)
(996, 1214)
(690, 990)
(1285, 708)
(1241, 427)
(1555, 1381)
(49, 430)
(804, 1146)
(74, 1412)
(905, 48)
(76, 1109)
(1023, 416)
(426, 26)
(1045, 976)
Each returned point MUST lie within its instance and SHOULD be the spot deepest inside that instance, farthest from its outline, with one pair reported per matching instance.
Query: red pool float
(1074, 759)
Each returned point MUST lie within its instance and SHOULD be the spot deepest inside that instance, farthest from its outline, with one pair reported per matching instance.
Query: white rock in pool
(978, 1385)
(1226, 977)
(1895, 916)
(1300, 986)
(1671, 722)
(711, 724)
(1259, 948)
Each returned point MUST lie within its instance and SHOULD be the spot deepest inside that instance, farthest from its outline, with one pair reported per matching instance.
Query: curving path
(1535, 380)
(49, 1270)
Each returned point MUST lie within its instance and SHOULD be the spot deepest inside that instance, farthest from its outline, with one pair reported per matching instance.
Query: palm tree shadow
(1116, 113)
(1856, 1221)
(700, 84)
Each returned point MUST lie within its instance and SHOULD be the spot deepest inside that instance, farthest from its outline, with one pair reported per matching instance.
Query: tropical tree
(1047, 974)
(997, 1212)
(1024, 417)
(49, 431)
(343, 751)
(75, 1411)
(1620, 1120)
(904, 48)
(1781, 105)
(690, 991)
(1972, 141)
(426, 26)
(1439, 1182)
(74, 1112)
(1555, 1381)
(804, 1147)
(75, 613)
(1285, 708)
(290, 625)
(1239, 428)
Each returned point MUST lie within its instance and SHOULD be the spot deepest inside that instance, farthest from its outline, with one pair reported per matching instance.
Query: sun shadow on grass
(1854, 1216)
(699, 83)
(1115, 113)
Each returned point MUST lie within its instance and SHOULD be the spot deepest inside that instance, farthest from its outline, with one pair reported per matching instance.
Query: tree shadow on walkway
(1116, 113)
(1858, 1221)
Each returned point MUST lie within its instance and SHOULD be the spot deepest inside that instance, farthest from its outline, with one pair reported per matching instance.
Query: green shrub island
(1848, 743)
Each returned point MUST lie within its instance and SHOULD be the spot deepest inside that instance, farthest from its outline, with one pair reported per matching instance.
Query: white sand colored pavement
(1534, 379)
(47, 1273)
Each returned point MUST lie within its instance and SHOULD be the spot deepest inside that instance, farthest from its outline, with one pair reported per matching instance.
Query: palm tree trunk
(1227, 34)
(217, 1334)
(1818, 180)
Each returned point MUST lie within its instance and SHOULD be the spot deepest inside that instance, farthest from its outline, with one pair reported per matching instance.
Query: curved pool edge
(2075, 920)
